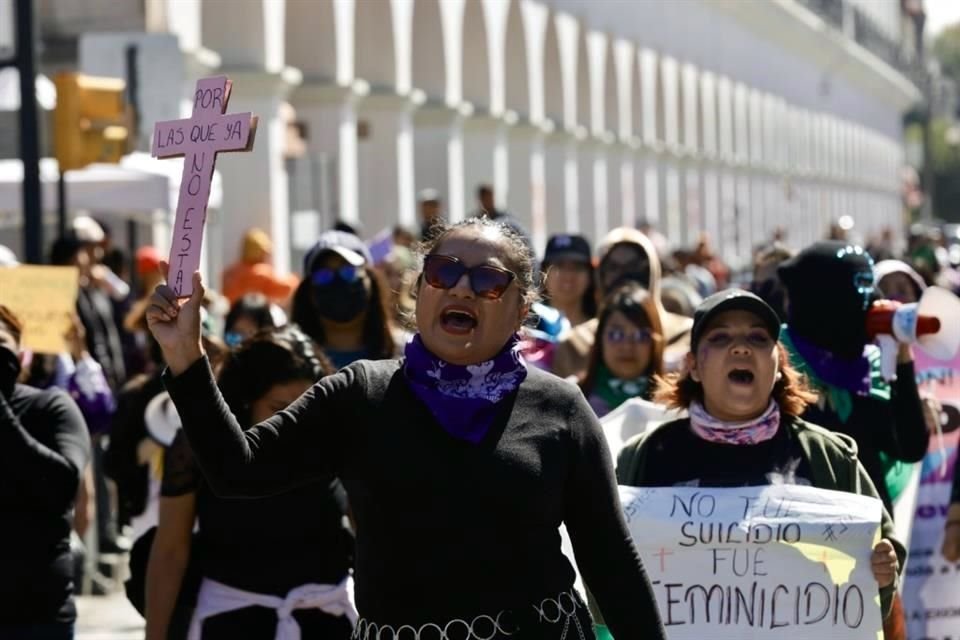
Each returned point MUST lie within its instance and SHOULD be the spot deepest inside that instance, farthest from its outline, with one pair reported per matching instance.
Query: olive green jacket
(832, 458)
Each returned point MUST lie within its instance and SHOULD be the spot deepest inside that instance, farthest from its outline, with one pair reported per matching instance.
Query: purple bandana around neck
(464, 399)
(755, 431)
(851, 375)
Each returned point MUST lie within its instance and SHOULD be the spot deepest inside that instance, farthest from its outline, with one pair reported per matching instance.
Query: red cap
(148, 260)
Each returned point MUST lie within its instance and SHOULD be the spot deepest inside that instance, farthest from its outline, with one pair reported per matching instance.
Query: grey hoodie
(573, 350)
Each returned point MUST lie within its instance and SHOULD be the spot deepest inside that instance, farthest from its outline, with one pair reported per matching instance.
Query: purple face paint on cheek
(702, 356)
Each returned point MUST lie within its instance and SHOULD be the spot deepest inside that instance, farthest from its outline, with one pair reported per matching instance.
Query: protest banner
(931, 584)
(777, 561)
(44, 298)
(209, 131)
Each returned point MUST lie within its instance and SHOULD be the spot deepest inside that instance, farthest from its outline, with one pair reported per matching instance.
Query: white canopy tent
(139, 184)
(139, 188)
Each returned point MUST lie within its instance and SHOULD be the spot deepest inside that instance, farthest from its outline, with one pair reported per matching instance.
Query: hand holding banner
(759, 562)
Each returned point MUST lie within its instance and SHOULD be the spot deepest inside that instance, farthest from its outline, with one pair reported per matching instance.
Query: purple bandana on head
(851, 375)
(754, 431)
(464, 399)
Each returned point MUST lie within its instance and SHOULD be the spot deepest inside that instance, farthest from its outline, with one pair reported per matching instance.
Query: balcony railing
(856, 24)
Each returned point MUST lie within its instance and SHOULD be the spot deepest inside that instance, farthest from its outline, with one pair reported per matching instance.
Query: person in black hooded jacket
(830, 288)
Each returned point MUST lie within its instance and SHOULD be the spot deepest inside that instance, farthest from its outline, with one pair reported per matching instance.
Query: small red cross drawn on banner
(199, 139)
(662, 554)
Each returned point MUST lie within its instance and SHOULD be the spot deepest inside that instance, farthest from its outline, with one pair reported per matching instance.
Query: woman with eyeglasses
(341, 302)
(460, 462)
(628, 352)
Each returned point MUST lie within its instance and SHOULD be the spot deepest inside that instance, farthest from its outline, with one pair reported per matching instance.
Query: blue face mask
(233, 339)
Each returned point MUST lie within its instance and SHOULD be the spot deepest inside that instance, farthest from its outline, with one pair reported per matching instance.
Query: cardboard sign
(931, 583)
(44, 298)
(199, 139)
(778, 561)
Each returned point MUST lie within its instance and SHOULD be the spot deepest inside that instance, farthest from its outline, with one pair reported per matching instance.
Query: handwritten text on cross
(198, 139)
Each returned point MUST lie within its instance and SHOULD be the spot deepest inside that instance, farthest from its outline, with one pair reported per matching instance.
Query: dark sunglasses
(640, 336)
(444, 272)
(325, 277)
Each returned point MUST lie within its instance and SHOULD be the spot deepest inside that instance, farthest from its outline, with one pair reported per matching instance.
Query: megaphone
(933, 324)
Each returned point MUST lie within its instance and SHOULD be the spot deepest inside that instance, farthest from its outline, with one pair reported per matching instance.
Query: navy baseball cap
(567, 247)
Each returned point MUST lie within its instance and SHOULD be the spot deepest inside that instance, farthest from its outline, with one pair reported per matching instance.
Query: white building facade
(727, 117)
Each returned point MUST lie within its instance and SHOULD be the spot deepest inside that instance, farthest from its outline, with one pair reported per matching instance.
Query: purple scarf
(851, 375)
(755, 431)
(464, 399)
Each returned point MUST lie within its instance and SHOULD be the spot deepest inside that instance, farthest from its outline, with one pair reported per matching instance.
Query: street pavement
(108, 618)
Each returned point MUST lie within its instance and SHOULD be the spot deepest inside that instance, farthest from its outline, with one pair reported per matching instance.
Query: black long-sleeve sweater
(445, 529)
(44, 447)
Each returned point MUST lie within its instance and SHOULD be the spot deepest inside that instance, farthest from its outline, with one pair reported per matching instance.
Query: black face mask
(341, 301)
(9, 371)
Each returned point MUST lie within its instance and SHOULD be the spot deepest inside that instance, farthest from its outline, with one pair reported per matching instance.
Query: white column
(653, 195)
(727, 238)
(712, 206)
(538, 192)
(524, 143)
(584, 166)
(386, 163)
(572, 185)
(602, 200)
(743, 210)
(626, 177)
(482, 142)
(255, 187)
(693, 203)
(330, 114)
(555, 194)
(673, 201)
(438, 149)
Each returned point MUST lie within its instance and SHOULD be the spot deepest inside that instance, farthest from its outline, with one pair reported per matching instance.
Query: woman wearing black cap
(341, 302)
(744, 400)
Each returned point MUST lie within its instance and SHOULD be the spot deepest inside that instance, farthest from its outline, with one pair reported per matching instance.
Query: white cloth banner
(779, 561)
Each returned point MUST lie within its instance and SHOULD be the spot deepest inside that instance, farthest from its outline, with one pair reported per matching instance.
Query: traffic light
(91, 122)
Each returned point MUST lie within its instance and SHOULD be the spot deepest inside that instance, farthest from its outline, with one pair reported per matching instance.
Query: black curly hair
(268, 358)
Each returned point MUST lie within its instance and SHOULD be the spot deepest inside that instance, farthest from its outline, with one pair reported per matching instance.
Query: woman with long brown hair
(628, 352)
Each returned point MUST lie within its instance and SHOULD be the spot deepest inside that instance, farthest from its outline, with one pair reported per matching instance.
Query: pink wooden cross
(198, 139)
